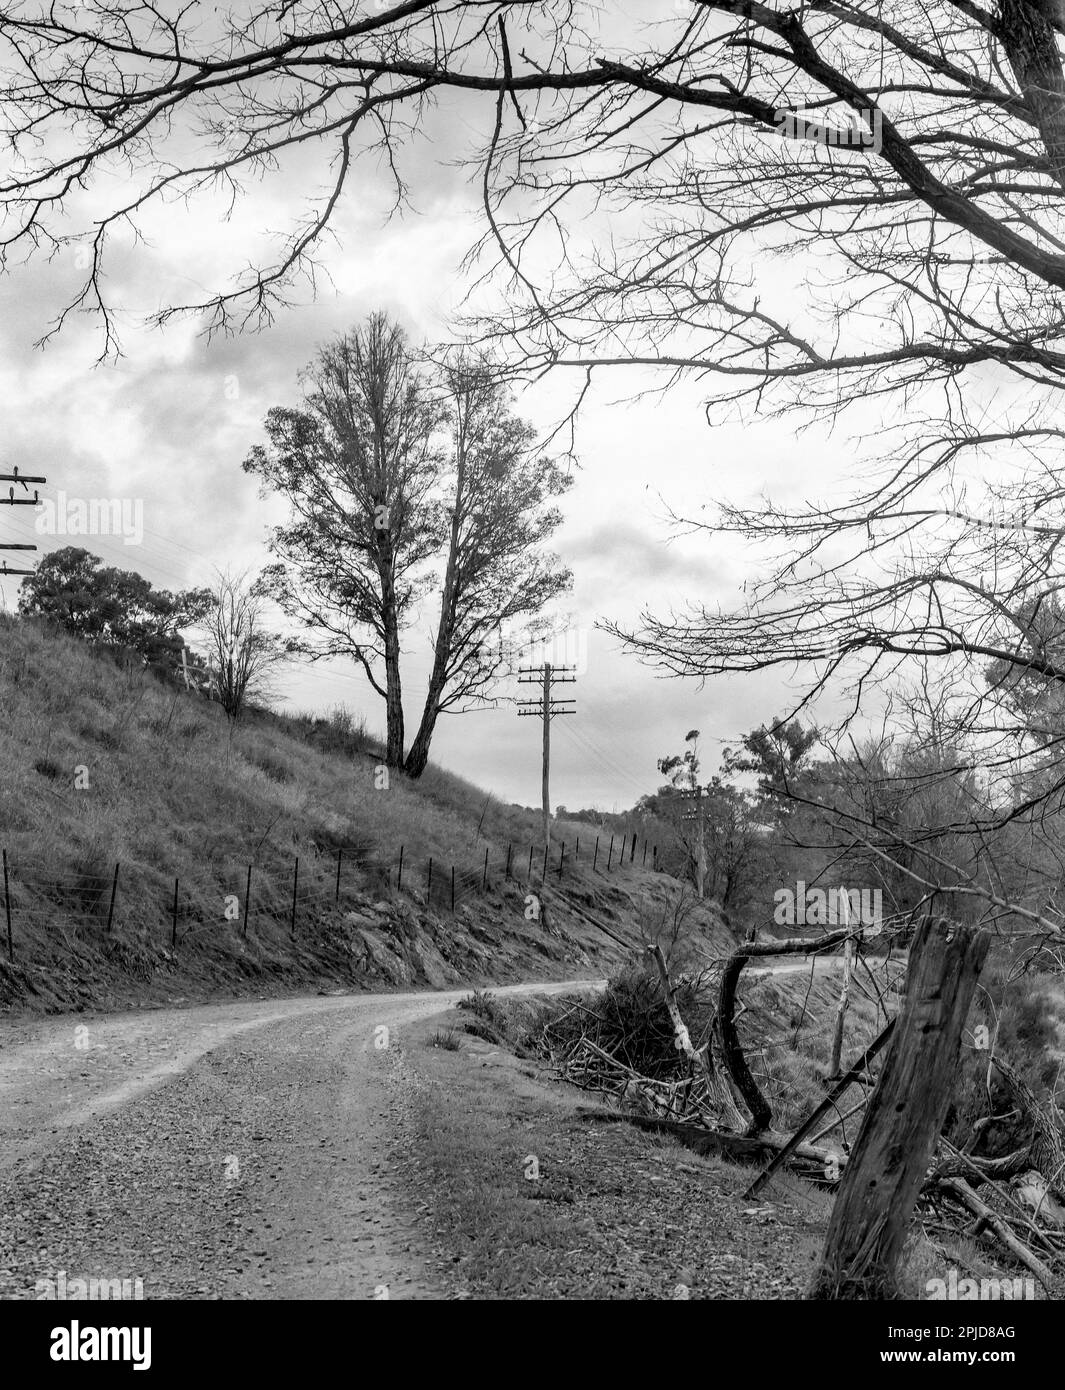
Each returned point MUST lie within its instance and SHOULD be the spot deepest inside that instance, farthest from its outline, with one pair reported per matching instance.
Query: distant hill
(103, 765)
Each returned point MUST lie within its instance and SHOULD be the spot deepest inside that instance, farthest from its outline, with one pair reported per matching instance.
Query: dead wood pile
(635, 1045)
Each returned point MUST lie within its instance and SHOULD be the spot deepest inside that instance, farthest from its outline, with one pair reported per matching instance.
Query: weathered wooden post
(832, 1074)
(7, 911)
(884, 1173)
(835, 1058)
(114, 895)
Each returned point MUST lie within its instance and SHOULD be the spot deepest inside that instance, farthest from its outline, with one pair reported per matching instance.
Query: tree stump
(887, 1168)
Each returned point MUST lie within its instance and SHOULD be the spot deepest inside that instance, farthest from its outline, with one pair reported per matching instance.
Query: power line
(580, 743)
(546, 708)
(16, 479)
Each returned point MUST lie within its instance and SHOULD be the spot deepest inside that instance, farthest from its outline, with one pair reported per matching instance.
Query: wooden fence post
(561, 857)
(632, 852)
(610, 853)
(7, 910)
(429, 885)
(295, 883)
(595, 856)
(643, 864)
(543, 871)
(888, 1165)
(530, 863)
(836, 1054)
(509, 848)
(114, 894)
(247, 901)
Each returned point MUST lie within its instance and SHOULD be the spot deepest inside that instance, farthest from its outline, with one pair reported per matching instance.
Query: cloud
(631, 554)
(171, 422)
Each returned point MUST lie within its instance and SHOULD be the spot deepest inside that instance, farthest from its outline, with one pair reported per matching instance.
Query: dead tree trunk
(717, 1088)
(731, 1048)
(841, 1014)
(889, 1163)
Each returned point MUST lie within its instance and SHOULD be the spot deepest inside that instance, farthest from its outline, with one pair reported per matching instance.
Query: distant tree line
(121, 612)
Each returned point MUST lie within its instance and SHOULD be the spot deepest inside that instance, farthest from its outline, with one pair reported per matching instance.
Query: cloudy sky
(170, 422)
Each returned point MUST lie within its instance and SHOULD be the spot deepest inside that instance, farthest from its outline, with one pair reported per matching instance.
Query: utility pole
(545, 708)
(15, 477)
(698, 814)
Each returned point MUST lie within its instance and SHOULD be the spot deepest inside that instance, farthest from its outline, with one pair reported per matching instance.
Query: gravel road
(237, 1150)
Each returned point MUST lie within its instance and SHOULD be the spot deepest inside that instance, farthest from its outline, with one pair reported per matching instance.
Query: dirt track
(242, 1150)
(234, 1150)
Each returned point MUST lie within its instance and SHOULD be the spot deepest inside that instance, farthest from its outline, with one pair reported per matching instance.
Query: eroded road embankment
(239, 1150)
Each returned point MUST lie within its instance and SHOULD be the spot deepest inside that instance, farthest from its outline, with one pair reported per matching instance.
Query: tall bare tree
(357, 465)
(496, 570)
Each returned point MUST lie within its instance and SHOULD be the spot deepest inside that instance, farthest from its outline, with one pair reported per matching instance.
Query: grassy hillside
(102, 765)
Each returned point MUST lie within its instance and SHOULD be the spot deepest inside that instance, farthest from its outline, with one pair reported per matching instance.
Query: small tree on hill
(242, 650)
(112, 607)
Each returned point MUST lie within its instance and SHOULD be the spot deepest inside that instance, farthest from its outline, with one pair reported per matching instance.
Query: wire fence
(288, 893)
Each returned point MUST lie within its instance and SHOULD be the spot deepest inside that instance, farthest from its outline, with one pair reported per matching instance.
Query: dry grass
(170, 790)
(529, 1202)
(478, 1129)
(157, 756)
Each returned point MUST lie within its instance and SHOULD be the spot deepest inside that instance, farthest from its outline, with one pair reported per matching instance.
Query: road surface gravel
(237, 1150)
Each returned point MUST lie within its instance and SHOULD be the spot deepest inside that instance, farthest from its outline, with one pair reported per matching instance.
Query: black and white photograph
(532, 672)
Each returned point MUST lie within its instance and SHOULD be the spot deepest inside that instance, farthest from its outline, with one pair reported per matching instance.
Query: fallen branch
(721, 1143)
(961, 1190)
(717, 1087)
(731, 1049)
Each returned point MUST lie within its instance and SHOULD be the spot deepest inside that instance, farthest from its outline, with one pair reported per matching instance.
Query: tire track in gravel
(240, 1150)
